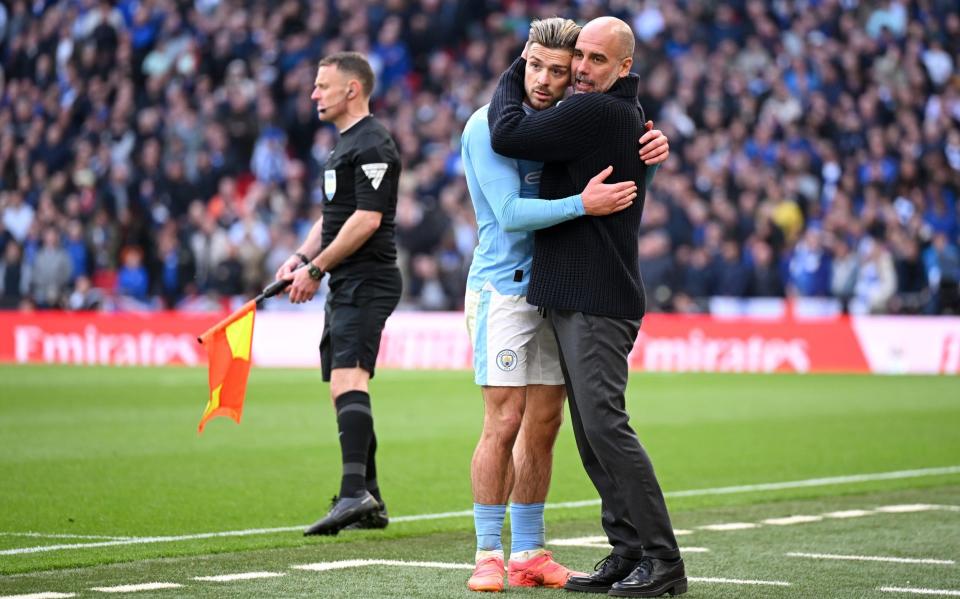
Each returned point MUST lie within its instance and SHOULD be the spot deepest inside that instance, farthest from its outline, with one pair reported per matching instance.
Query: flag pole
(269, 291)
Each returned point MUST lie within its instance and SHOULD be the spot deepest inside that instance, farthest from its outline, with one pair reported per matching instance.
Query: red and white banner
(416, 340)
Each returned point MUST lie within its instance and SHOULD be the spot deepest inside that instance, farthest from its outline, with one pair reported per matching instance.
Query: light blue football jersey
(504, 193)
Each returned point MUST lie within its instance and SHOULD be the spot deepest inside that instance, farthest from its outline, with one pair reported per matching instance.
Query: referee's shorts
(357, 308)
(513, 345)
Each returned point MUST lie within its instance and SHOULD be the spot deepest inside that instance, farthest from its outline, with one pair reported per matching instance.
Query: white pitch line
(941, 592)
(239, 576)
(819, 482)
(849, 514)
(40, 596)
(46, 535)
(729, 526)
(874, 558)
(357, 563)
(792, 520)
(907, 508)
(135, 588)
(773, 583)
(812, 482)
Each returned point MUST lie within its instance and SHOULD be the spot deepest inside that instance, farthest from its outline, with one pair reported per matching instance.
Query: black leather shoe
(609, 570)
(653, 578)
(343, 512)
(373, 520)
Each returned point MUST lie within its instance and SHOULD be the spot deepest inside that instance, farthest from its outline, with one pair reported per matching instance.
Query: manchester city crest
(507, 360)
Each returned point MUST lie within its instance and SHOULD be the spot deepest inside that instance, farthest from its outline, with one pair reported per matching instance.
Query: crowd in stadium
(164, 154)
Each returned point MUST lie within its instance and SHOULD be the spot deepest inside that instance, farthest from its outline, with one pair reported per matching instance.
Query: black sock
(371, 481)
(355, 422)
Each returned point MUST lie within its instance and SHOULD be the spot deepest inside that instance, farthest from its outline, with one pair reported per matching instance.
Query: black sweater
(588, 264)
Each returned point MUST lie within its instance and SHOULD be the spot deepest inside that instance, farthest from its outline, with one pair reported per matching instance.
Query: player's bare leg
(491, 474)
(530, 563)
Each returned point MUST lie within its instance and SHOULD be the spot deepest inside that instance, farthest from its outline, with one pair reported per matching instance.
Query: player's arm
(559, 134)
(654, 150)
(498, 178)
(529, 214)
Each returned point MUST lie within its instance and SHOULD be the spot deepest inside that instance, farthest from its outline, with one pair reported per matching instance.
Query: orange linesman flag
(228, 350)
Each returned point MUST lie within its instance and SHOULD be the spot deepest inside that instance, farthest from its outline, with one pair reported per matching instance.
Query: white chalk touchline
(729, 526)
(775, 583)
(356, 563)
(239, 576)
(602, 543)
(46, 535)
(792, 520)
(135, 588)
(849, 514)
(873, 558)
(812, 482)
(941, 592)
(40, 596)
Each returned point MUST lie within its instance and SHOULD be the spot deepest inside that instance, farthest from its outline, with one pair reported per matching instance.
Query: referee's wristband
(303, 258)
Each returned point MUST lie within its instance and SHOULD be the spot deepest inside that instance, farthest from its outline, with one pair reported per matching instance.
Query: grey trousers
(593, 354)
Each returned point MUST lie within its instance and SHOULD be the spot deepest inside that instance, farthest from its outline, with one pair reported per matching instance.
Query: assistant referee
(355, 243)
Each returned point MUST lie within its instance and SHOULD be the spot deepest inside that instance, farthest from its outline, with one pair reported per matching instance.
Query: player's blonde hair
(556, 33)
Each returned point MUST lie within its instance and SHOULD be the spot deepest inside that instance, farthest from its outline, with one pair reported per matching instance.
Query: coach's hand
(601, 198)
(303, 288)
(654, 146)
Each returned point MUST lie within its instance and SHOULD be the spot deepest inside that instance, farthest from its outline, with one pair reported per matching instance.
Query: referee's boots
(374, 520)
(344, 512)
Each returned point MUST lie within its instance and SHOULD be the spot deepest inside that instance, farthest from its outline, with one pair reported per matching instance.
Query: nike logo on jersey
(375, 172)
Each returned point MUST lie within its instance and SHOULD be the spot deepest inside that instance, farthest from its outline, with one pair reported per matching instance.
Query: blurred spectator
(657, 269)
(733, 279)
(51, 271)
(843, 275)
(943, 268)
(84, 296)
(17, 215)
(14, 276)
(76, 247)
(132, 279)
(765, 279)
(876, 278)
(810, 266)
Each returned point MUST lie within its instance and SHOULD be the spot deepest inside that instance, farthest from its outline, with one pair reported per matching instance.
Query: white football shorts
(513, 345)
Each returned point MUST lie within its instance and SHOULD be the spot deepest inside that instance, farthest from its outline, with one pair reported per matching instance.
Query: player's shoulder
(478, 119)
(477, 129)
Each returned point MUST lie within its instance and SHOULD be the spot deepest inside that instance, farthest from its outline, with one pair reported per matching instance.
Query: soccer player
(585, 274)
(515, 354)
(354, 242)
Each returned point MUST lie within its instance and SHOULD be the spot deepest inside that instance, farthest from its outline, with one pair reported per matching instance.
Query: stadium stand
(163, 154)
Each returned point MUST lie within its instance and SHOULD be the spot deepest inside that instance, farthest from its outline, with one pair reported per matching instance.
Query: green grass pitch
(113, 454)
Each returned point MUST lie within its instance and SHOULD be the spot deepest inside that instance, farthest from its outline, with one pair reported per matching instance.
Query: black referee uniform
(362, 173)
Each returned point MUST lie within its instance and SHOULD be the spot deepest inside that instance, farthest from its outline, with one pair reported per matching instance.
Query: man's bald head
(604, 53)
(617, 31)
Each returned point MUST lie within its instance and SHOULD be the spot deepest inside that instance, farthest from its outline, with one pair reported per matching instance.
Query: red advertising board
(417, 340)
